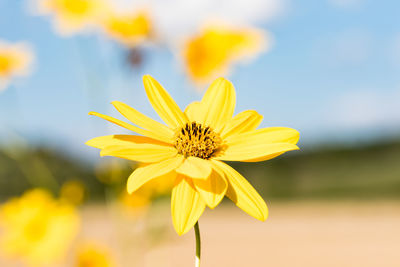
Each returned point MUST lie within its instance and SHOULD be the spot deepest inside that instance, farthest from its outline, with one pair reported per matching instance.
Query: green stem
(198, 243)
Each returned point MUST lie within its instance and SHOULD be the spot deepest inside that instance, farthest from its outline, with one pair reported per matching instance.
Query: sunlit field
(197, 133)
(347, 233)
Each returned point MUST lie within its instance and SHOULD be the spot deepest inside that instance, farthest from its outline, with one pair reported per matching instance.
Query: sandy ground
(305, 234)
(296, 234)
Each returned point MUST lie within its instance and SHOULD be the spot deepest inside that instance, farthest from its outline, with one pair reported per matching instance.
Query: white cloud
(175, 18)
(365, 109)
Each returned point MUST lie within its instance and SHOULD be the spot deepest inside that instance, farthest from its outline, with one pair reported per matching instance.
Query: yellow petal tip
(115, 102)
(264, 215)
(129, 190)
(88, 142)
(183, 231)
(129, 187)
(147, 77)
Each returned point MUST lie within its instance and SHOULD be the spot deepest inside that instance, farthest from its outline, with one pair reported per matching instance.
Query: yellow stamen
(197, 140)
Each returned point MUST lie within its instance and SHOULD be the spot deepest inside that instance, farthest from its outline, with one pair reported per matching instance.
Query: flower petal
(259, 145)
(244, 121)
(140, 152)
(195, 168)
(255, 152)
(242, 193)
(121, 140)
(163, 103)
(219, 102)
(141, 120)
(265, 135)
(133, 128)
(212, 189)
(195, 112)
(186, 205)
(142, 175)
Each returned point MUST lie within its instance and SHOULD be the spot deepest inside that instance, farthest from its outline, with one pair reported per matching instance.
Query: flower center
(197, 140)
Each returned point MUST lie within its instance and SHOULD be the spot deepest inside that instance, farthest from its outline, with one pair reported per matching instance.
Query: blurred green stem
(198, 243)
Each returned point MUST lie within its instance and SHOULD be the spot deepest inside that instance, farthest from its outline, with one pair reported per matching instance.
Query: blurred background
(329, 69)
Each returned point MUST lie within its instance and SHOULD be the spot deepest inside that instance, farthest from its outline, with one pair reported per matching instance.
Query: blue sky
(333, 74)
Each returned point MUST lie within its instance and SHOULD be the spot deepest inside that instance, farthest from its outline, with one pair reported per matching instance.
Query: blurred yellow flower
(15, 60)
(129, 29)
(156, 187)
(135, 204)
(160, 186)
(190, 149)
(110, 171)
(93, 254)
(36, 228)
(211, 53)
(73, 192)
(72, 16)
(139, 202)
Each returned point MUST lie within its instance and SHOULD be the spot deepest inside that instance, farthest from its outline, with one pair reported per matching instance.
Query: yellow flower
(210, 53)
(15, 60)
(110, 171)
(37, 228)
(135, 204)
(94, 255)
(156, 187)
(191, 146)
(159, 187)
(72, 16)
(129, 29)
(140, 201)
(73, 192)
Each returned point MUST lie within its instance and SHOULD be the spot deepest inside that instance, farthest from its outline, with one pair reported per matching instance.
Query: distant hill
(20, 169)
(330, 172)
(340, 172)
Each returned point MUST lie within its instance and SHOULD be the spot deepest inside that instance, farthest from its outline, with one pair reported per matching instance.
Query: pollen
(197, 140)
